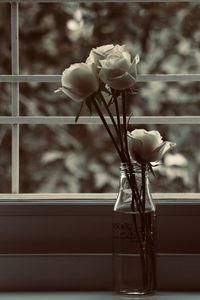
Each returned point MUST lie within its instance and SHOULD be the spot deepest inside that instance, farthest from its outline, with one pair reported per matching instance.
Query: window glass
(81, 158)
(59, 159)
(5, 53)
(5, 159)
(166, 99)
(5, 99)
(54, 35)
(39, 99)
(45, 43)
(150, 98)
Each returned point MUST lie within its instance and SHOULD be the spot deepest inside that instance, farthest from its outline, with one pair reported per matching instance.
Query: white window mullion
(15, 96)
(140, 78)
(86, 120)
(91, 1)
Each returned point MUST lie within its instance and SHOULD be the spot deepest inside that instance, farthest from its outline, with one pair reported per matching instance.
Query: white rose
(99, 53)
(79, 81)
(117, 69)
(147, 146)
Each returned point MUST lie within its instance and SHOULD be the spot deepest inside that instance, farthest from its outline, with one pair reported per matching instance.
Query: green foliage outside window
(80, 158)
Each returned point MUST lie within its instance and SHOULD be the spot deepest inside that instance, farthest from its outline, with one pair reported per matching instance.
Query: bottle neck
(134, 185)
(135, 170)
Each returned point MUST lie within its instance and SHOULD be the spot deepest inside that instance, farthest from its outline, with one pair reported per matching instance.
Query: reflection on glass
(166, 35)
(5, 159)
(5, 53)
(60, 159)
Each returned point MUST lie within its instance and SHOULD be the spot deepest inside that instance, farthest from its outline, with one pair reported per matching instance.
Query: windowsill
(65, 243)
(95, 296)
(168, 204)
(92, 196)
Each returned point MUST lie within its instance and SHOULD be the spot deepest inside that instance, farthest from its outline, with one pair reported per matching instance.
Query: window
(41, 223)
(42, 124)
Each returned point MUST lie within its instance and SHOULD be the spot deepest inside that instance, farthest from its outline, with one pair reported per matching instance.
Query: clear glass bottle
(134, 226)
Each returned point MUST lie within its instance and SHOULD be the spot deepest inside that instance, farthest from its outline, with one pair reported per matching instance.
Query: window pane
(166, 99)
(5, 99)
(39, 99)
(5, 159)
(5, 56)
(166, 35)
(81, 158)
(45, 24)
(63, 159)
(180, 170)
(151, 98)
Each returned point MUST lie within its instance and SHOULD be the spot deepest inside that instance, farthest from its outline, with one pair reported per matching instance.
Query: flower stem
(107, 128)
(124, 124)
(117, 128)
(136, 196)
(143, 166)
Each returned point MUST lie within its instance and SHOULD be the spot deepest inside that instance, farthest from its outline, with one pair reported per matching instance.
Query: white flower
(147, 146)
(79, 81)
(117, 69)
(99, 53)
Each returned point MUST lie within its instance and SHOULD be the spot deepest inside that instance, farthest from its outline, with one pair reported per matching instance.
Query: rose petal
(135, 147)
(99, 53)
(148, 145)
(79, 81)
(133, 67)
(136, 59)
(120, 83)
(114, 62)
(136, 144)
(127, 56)
(71, 95)
(137, 133)
(120, 48)
(156, 134)
(159, 152)
(106, 74)
(104, 48)
(150, 142)
(152, 139)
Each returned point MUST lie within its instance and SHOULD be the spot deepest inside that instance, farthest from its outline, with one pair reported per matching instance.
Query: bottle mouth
(133, 167)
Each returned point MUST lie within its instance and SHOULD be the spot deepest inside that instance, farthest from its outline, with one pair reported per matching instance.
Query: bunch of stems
(119, 137)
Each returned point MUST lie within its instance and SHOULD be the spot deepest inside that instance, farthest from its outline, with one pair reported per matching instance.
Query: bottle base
(135, 293)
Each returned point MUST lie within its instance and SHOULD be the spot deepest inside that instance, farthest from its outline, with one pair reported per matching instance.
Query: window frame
(19, 246)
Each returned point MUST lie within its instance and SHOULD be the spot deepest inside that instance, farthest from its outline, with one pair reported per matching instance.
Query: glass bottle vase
(134, 227)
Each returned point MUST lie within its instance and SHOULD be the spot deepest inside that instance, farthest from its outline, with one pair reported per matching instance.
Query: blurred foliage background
(80, 158)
